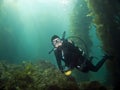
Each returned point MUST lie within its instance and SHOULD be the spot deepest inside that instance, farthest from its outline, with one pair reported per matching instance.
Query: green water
(26, 27)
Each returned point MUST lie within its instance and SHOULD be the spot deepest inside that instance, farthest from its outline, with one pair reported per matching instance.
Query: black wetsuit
(73, 57)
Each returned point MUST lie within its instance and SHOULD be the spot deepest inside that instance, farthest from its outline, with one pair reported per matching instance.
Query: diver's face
(57, 42)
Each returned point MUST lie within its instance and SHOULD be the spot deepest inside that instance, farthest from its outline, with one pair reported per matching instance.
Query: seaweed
(29, 76)
(80, 22)
(106, 18)
(37, 76)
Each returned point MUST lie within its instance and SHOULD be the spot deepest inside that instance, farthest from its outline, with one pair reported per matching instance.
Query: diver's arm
(58, 62)
(59, 65)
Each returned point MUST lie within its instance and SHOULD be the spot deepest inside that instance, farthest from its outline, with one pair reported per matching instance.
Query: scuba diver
(73, 57)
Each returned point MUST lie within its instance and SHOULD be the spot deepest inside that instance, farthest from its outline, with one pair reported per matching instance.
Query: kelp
(106, 18)
(39, 76)
(81, 21)
(29, 76)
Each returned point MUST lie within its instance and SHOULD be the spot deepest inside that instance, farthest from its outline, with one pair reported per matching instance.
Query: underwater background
(26, 28)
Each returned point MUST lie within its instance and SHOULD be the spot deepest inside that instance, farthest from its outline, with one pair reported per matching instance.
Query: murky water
(26, 27)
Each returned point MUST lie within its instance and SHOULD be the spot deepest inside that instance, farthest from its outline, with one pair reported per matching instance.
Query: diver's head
(56, 41)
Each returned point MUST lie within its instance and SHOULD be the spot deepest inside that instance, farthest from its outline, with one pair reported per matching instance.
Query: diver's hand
(66, 69)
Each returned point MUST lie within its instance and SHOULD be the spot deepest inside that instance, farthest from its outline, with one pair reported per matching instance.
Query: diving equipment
(68, 72)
